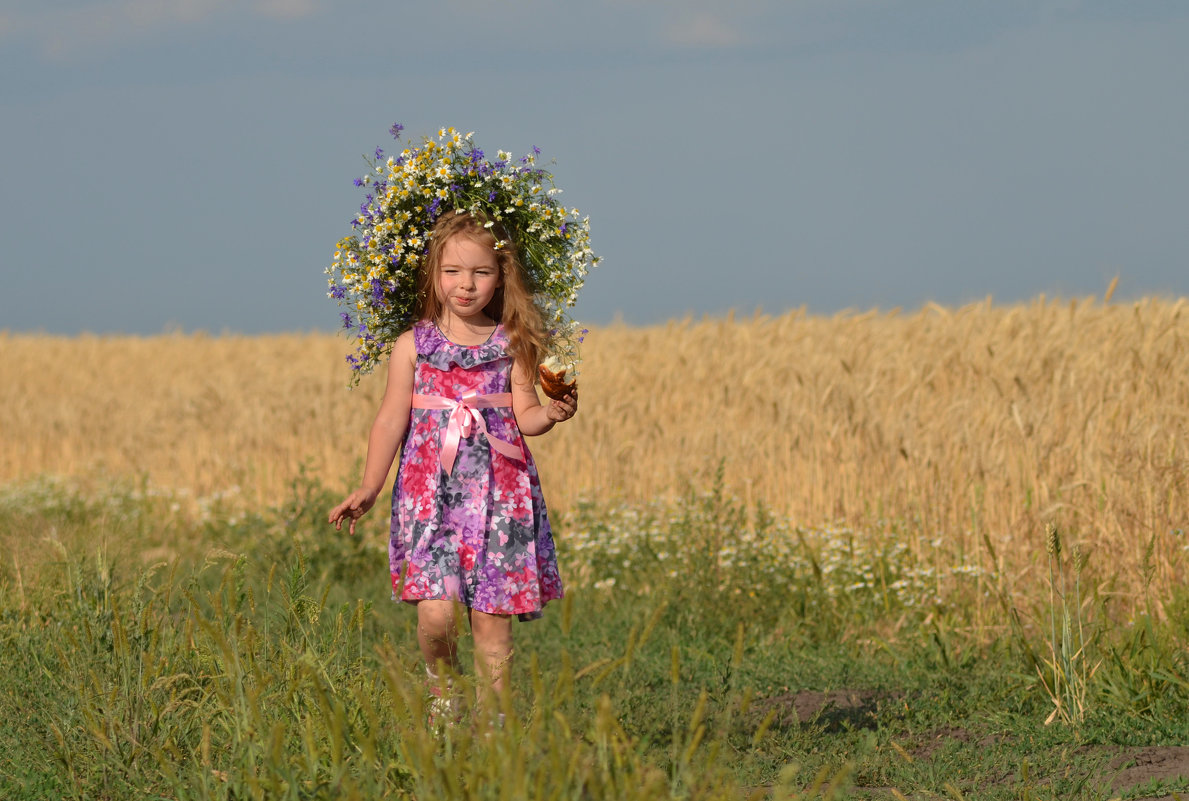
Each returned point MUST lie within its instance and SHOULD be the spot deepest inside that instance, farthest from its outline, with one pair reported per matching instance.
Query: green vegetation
(156, 647)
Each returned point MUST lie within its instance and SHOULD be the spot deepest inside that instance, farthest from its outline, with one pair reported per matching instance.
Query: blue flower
(395, 130)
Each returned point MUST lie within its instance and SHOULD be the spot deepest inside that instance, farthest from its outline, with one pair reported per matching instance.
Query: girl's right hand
(353, 508)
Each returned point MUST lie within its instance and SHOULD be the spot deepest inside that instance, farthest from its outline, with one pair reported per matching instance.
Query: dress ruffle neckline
(442, 352)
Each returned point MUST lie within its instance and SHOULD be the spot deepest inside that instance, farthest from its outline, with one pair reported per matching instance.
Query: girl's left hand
(561, 410)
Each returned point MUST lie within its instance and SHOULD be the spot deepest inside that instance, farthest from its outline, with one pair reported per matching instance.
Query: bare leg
(437, 634)
(493, 647)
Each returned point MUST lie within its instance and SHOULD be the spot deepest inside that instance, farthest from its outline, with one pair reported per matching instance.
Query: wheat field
(975, 425)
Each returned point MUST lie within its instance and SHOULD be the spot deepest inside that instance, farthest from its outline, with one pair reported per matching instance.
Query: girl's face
(468, 277)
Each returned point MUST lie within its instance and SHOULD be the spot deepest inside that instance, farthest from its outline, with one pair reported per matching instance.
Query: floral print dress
(468, 517)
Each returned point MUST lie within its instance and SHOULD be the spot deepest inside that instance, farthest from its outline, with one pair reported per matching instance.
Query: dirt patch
(1135, 767)
(833, 710)
(1123, 769)
(1127, 770)
(933, 741)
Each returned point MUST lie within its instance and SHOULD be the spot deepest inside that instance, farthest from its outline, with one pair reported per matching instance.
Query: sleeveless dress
(472, 526)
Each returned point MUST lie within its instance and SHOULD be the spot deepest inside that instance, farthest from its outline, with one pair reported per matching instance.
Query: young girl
(469, 527)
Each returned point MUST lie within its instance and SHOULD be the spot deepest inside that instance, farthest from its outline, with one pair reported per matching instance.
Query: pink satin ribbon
(464, 419)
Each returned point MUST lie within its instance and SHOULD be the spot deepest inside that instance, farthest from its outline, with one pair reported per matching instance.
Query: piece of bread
(554, 384)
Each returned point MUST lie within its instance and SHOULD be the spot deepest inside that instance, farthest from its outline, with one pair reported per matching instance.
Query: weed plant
(706, 649)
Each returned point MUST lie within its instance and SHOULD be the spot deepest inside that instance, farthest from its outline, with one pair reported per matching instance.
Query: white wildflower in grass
(374, 271)
(705, 543)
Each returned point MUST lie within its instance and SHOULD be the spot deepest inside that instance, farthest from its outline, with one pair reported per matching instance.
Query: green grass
(703, 650)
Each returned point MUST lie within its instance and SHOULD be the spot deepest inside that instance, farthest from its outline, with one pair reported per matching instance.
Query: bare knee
(436, 627)
(493, 643)
(493, 631)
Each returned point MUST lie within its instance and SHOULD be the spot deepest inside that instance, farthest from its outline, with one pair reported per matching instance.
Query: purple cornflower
(358, 182)
(379, 152)
(396, 129)
(346, 319)
(491, 196)
(377, 290)
(338, 291)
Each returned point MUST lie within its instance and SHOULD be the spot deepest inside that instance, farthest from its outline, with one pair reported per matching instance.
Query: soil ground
(1125, 770)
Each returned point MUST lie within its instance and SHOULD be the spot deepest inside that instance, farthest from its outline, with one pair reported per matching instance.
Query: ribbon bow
(464, 419)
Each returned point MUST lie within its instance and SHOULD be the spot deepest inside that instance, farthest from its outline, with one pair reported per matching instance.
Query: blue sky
(188, 163)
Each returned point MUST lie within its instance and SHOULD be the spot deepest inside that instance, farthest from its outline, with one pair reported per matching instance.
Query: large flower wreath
(374, 273)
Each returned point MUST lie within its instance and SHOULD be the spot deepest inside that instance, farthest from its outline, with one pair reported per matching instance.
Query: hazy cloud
(702, 29)
(286, 9)
(67, 33)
